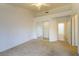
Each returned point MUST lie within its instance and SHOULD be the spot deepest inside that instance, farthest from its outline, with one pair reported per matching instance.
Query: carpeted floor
(41, 48)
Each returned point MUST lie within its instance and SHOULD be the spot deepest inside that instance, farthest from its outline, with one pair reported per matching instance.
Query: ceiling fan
(39, 5)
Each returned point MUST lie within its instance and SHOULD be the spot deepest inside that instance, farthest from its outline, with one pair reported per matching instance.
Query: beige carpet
(41, 48)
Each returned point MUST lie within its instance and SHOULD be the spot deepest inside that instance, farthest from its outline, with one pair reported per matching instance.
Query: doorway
(61, 31)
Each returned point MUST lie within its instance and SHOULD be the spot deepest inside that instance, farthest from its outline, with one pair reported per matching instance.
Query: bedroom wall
(52, 20)
(15, 26)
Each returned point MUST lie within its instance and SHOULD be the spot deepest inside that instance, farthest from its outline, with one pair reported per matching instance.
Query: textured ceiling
(43, 8)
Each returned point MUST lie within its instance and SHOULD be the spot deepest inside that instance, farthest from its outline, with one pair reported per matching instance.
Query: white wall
(15, 26)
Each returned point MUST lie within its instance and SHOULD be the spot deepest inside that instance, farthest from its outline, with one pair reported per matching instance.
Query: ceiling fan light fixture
(38, 5)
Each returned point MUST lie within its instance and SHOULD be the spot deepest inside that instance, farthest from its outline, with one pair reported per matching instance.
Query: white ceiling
(43, 8)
